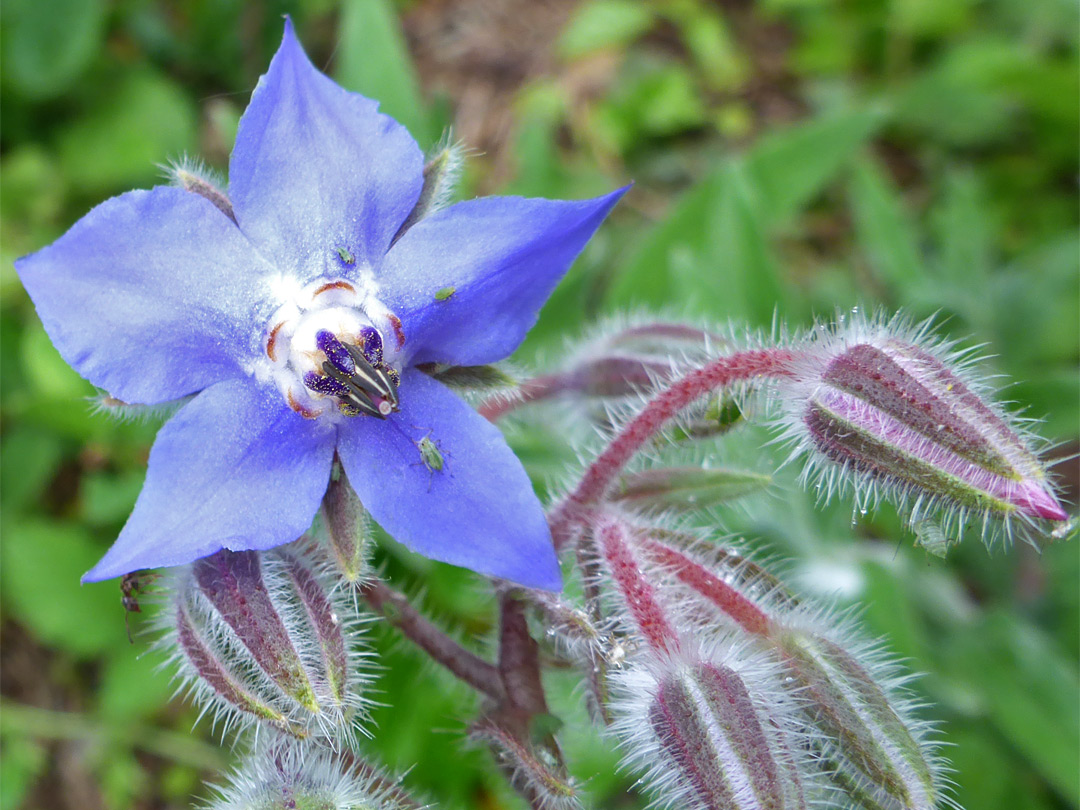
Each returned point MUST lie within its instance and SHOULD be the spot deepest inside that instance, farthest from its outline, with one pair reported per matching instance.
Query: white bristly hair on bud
(1006, 494)
(758, 756)
(221, 675)
(282, 774)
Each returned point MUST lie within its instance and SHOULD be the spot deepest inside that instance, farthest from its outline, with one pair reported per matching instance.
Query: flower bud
(285, 775)
(877, 755)
(346, 527)
(889, 412)
(259, 636)
(193, 176)
(535, 771)
(715, 732)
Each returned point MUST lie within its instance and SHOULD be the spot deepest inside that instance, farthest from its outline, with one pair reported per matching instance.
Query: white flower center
(325, 351)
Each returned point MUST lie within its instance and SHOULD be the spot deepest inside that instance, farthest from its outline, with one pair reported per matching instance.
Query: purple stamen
(324, 385)
(335, 352)
(371, 345)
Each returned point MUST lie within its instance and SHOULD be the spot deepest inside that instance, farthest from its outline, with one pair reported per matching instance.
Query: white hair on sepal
(777, 709)
(277, 773)
(1009, 435)
(341, 712)
(184, 171)
(105, 403)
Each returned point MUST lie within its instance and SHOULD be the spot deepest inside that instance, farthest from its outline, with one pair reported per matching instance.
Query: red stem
(538, 388)
(721, 372)
(730, 602)
(638, 593)
(470, 668)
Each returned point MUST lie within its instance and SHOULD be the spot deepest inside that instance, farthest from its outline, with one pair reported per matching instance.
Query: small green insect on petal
(346, 256)
(430, 454)
(445, 293)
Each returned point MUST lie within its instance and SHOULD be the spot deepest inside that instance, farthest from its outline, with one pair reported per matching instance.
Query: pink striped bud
(715, 733)
(880, 410)
(261, 637)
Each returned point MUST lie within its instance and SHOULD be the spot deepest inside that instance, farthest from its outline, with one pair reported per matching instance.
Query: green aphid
(345, 256)
(445, 293)
(430, 454)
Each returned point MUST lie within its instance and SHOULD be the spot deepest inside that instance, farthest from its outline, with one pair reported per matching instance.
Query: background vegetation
(790, 156)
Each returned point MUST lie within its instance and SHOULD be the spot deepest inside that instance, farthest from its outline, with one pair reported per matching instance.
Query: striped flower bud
(715, 733)
(877, 406)
(876, 751)
(260, 637)
(285, 775)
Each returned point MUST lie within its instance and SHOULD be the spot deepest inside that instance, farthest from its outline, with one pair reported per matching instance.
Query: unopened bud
(894, 414)
(260, 636)
(687, 488)
(285, 775)
(877, 754)
(534, 770)
(347, 528)
(441, 174)
(710, 738)
(192, 176)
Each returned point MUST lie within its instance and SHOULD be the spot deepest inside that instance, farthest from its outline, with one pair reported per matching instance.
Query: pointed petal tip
(1041, 503)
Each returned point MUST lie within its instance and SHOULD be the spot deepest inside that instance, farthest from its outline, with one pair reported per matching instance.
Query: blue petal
(151, 296)
(235, 469)
(316, 168)
(479, 511)
(501, 255)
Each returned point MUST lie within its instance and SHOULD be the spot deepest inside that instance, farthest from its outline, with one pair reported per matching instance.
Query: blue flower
(296, 313)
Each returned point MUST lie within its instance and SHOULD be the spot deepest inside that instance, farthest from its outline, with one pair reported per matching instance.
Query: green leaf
(133, 683)
(744, 282)
(688, 488)
(677, 240)
(373, 59)
(1030, 691)
(146, 121)
(28, 460)
(46, 46)
(42, 564)
(885, 231)
(603, 24)
(23, 762)
(791, 167)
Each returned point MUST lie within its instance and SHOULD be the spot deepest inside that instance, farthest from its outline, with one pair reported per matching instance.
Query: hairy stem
(662, 408)
(466, 666)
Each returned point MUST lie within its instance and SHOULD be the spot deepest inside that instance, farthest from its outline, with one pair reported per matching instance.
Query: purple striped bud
(876, 751)
(284, 775)
(716, 733)
(886, 412)
(260, 636)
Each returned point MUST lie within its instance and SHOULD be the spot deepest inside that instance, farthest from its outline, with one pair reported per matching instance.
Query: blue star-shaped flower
(297, 320)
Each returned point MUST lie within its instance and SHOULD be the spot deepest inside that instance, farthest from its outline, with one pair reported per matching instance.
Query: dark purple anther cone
(371, 345)
(324, 385)
(335, 352)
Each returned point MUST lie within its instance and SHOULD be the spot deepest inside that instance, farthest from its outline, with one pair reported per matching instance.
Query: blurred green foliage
(791, 158)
